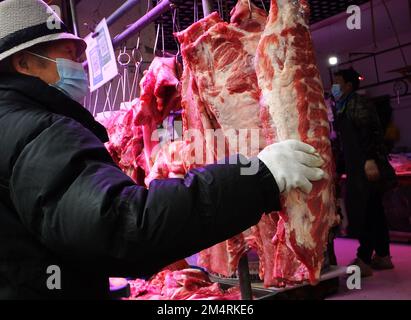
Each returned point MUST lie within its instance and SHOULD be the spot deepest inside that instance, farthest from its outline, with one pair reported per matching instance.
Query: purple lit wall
(332, 37)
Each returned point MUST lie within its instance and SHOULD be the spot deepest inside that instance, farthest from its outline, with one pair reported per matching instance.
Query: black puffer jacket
(365, 119)
(64, 202)
(360, 134)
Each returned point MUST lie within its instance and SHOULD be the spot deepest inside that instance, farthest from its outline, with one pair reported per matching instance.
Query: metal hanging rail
(369, 55)
(113, 18)
(121, 11)
(163, 7)
(373, 56)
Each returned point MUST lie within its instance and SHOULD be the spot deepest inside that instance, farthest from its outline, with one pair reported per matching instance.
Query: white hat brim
(81, 44)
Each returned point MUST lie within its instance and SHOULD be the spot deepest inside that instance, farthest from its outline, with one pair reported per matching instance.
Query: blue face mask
(336, 91)
(73, 79)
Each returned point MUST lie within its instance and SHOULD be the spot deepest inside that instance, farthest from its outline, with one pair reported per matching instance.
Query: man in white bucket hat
(69, 217)
(31, 33)
(28, 23)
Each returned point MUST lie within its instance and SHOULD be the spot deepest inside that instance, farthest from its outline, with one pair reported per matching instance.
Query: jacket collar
(18, 87)
(342, 103)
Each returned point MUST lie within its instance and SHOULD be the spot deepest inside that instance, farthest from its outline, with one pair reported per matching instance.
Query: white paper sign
(100, 56)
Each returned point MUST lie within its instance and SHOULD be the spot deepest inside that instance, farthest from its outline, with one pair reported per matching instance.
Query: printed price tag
(100, 56)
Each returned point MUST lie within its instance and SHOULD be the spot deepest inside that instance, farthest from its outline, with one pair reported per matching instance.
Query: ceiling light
(333, 61)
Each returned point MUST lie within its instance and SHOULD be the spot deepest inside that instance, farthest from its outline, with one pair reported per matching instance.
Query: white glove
(293, 164)
(172, 175)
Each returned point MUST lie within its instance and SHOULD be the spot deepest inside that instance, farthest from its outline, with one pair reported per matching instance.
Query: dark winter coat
(360, 133)
(64, 202)
(361, 138)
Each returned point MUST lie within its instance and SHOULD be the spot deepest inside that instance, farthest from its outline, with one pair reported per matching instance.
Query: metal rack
(139, 25)
(320, 10)
(328, 285)
(245, 279)
(185, 9)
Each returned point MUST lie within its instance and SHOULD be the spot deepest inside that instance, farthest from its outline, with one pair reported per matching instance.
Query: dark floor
(383, 285)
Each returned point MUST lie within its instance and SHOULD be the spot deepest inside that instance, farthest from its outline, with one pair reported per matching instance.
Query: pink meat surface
(259, 73)
(292, 91)
(220, 92)
(160, 94)
(247, 75)
(187, 284)
(173, 159)
(125, 145)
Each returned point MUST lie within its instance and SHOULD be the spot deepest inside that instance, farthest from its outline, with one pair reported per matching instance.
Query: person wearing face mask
(73, 80)
(361, 140)
(69, 217)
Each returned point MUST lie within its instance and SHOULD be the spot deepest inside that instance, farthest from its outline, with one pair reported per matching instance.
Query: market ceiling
(320, 10)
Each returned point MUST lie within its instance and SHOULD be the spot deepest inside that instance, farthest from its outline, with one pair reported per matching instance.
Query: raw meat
(229, 83)
(126, 142)
(187, 284)
(220, 92)
(134, 136)
(292, 91)
(254, 73)
(173, 160)
(160, 94)
(134, 139)
(221, 79)
(401, 163)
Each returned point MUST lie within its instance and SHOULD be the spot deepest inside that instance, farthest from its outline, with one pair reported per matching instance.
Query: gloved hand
(293, 164)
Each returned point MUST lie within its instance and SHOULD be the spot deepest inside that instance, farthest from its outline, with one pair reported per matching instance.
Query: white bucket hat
(25, 23)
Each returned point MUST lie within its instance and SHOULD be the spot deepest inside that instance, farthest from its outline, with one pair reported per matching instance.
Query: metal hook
(159, 26)
(219, 8)
(120, 57)
(250, 8)
(137, 60)
(138, 42)
(158, 34)
(196, 17)
(119, 83)
(176, 28)
(156, 41)
(124, 60)
(136, 78)
(135, 51)
(264, 7)
(163, 38)
(95, 103)
(107, 102)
